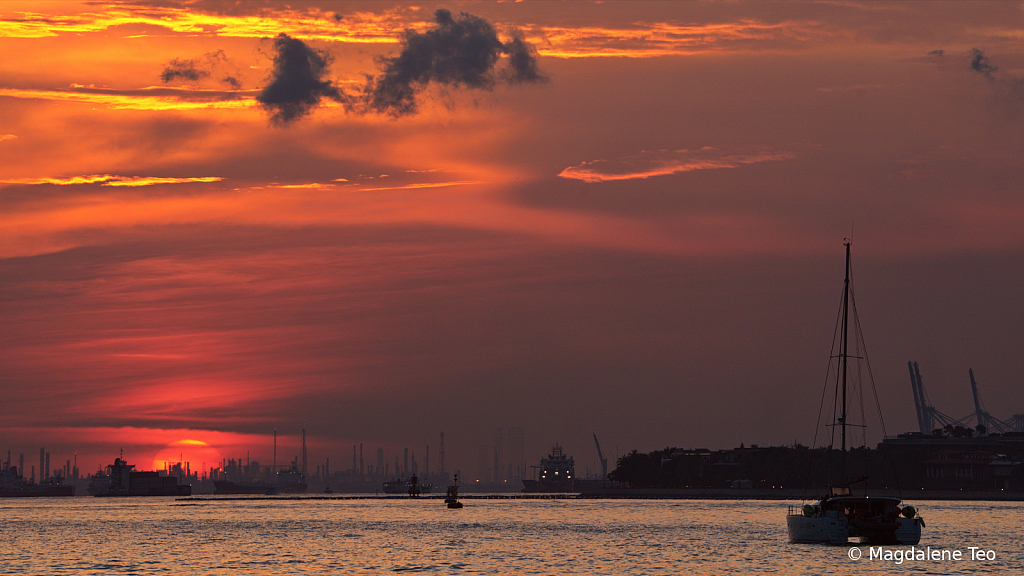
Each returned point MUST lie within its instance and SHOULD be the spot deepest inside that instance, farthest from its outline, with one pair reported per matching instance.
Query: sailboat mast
(844, 345)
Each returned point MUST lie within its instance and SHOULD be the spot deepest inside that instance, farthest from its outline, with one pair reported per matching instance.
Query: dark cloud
(196, 69)
(178, 69)
(459, 51)
(522, 62)
(980, 63)
(297, 85)
(1005, 89)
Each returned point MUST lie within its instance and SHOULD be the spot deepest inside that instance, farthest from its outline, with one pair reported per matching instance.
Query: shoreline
(778, 494)
(798, 494)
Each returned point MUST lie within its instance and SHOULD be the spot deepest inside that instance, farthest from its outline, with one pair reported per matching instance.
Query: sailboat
(840, 515)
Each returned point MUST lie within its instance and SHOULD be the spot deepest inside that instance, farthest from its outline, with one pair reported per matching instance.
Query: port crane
(600, 456)
(985, 419)
(929, 418)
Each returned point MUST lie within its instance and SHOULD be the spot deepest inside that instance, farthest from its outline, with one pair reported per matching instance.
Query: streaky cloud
(108, 180)
(664, 162)
(459, 51)
(297, 83)
(157, 98)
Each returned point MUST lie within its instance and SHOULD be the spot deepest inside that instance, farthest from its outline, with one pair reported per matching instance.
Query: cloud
(663, 162)
(7, 137)
(980, 63)
(196, 69)
(183, 70)
(297, 85)
(1006, 88)
(459, 51)
(109, 180)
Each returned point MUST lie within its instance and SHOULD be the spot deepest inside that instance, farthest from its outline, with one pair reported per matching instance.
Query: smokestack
(275, 451)
(426, 464)
(42, 463)
(304, 470)
(354, 459)
(360, 458)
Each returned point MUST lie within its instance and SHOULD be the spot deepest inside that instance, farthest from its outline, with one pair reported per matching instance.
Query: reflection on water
(164, 536)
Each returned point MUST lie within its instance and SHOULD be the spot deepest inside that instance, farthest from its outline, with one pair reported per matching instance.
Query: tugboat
(557, 473)
(841, 515)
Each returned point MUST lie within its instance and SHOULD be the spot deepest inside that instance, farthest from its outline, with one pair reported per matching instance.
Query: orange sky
(645, 241)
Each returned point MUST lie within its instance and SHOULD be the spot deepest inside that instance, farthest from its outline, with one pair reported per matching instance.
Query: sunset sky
(379, 221)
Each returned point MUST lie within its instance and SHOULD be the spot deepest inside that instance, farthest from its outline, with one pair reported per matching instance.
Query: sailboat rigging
(840, 515)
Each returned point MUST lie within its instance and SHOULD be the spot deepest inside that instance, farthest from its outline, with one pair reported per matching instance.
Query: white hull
(821, 529)
(834, 529)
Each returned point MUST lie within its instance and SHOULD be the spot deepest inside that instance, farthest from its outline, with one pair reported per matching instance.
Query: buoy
(909, 512)
(808, 510)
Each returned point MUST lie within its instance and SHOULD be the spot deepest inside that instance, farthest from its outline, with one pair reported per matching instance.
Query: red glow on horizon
(197, 454)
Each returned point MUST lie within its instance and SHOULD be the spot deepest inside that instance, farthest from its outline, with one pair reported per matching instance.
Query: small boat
(840, 515)
(452, 499)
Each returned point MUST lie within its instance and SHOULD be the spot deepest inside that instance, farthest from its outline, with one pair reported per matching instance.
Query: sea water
(386, 536)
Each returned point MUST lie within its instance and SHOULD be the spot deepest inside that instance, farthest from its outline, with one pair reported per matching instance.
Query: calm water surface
(165, 536)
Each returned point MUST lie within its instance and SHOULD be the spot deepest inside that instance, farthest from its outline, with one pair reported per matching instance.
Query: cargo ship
(400, 486)
(121, 480)
(289, 481)
(13, 485)
(557, 473)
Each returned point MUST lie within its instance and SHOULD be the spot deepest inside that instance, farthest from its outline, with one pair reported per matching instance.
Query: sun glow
(196, 455)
